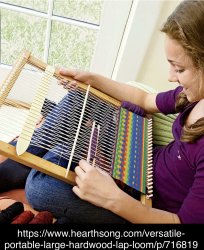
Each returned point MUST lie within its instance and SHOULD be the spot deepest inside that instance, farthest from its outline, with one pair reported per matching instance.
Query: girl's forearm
(125, 92)
(116, 89)
(135, 212)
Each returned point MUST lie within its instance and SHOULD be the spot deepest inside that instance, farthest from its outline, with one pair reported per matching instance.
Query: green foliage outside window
(70, 45)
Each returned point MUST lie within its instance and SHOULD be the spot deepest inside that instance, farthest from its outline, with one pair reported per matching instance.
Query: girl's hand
(94, 186)
(82, 76)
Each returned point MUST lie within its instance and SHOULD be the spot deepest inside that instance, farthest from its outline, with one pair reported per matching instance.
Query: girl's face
(182, 70)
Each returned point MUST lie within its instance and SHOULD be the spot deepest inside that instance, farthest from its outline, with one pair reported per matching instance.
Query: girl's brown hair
(186, 26)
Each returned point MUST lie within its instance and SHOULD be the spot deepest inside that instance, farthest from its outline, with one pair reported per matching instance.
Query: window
(58, 32)
(110, 37)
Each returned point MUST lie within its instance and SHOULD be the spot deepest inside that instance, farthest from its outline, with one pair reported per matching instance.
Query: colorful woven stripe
(130, 159)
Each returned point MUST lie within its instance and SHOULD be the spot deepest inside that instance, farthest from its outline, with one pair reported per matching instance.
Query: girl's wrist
(114, 203)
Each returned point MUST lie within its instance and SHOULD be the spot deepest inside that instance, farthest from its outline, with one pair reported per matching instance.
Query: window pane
(83, 10)
(18, 32)
(71, 46)
(40, 5)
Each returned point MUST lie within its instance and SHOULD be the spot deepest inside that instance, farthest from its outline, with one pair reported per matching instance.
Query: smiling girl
(178, 167)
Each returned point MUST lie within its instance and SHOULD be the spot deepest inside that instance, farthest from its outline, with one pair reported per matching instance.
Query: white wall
(141, 55)
(154, 68)
(136, 39)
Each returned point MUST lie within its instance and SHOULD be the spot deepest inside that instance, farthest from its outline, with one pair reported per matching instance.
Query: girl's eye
(179, 71)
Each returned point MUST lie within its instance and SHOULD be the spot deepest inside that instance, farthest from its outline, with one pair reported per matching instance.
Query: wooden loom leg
(12, 77)
(145, 201)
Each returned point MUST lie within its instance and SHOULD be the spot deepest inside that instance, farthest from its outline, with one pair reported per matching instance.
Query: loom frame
(29, 159)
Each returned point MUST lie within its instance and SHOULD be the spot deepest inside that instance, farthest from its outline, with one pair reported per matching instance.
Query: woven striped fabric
(130, 157)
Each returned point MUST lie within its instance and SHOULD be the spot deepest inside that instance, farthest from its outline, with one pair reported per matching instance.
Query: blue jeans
(47, 193)
(13, 174)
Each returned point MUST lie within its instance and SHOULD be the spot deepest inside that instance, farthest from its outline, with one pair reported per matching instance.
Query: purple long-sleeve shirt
(179, 168)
